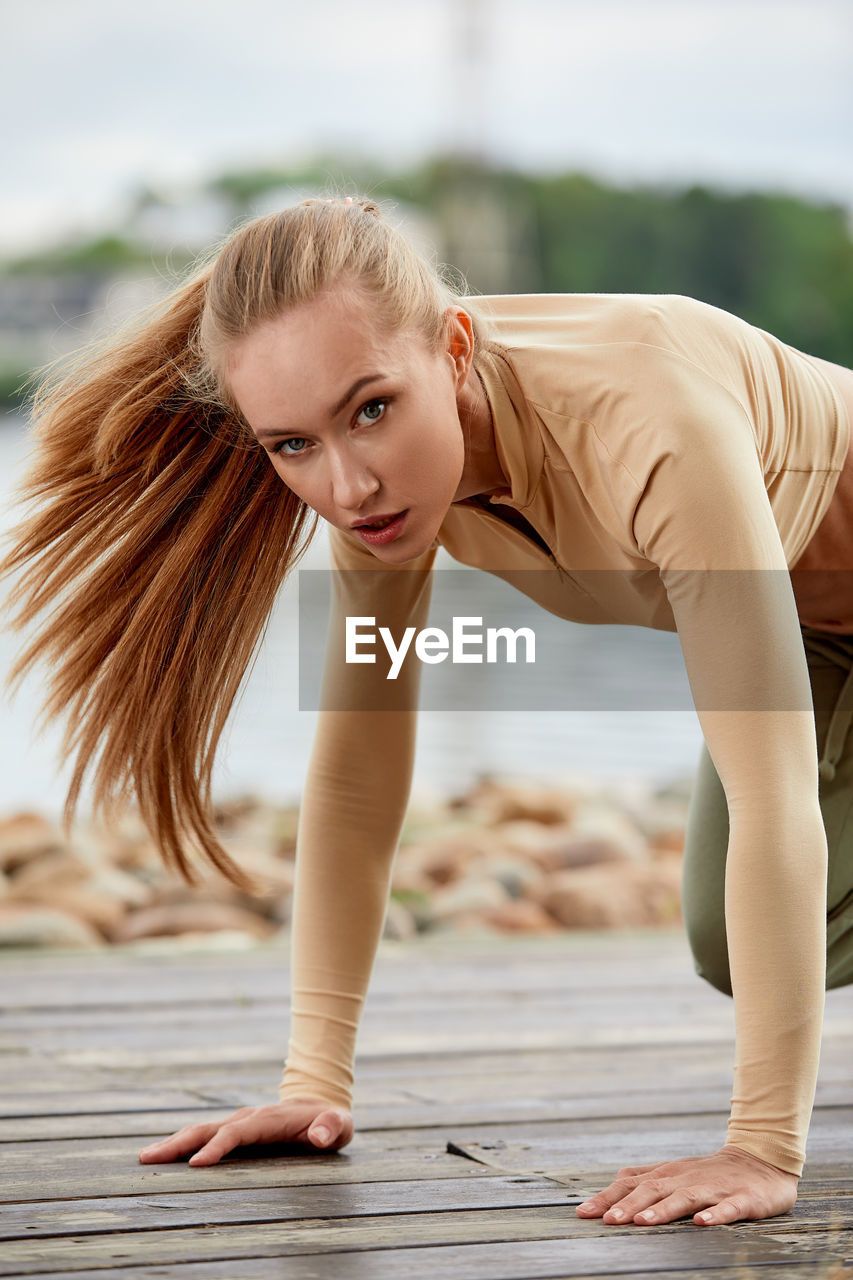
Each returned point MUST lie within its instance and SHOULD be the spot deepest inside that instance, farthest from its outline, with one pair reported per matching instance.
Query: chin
(392, 554)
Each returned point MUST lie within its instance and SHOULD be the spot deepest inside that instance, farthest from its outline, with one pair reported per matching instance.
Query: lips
(387, 531)
(378, 522)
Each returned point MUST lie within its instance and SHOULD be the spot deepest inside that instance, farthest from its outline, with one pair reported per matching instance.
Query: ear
(459, 342)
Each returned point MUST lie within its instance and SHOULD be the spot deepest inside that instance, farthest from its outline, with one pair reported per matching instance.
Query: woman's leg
(830, 662)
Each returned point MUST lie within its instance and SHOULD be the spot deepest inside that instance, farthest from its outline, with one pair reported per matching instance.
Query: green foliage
(16, 387)
(104, 255)
(326, 175)
(782, 263)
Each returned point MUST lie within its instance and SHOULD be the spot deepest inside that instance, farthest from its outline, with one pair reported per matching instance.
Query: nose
(352, 481)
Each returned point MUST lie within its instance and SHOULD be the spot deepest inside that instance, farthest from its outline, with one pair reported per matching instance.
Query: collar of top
(518, 441)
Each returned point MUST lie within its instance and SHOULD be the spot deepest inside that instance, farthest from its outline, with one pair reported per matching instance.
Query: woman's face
(360, 423)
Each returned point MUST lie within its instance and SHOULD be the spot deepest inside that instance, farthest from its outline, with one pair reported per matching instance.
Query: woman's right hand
(313, 1121)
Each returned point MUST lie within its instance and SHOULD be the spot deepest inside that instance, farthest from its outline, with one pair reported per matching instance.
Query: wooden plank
(458, 988)
(555, 1105)
(592, 1005)
(700, 1062)
(451, 1033)
(590, 1150)
(585, 1248)
(693, 1065)
(698, 1059)
(574, 958)
(43, 1109)
(574, 966)
(100, 1171)
(814, 1240)
(150, 996)
(93, 1216)
(576, 1067)
(466, 1262)
(403, 1114)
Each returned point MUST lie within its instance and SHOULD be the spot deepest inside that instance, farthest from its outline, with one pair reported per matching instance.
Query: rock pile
(506, 857)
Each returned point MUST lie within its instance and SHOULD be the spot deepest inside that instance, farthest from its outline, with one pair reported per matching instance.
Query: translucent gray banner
(468, 640)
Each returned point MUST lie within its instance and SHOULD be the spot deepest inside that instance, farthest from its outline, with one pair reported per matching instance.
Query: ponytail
(160, 533)
(159, 540)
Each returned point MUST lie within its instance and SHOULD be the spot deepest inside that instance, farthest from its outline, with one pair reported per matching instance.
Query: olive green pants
(830, 662)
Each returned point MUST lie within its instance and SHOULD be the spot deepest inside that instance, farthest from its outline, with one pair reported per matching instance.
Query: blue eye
(372, 411)
(371, 405)
(279, 448)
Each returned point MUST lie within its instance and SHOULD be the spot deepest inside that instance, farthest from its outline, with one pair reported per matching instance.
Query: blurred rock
(657, 818)
(190, 917)
(82, 901)
(519, 876)
(218, 940)
(54, 869)
(531, 840)
(590, 852)
(25, 836)
(284, 832)
(520, 917)
(273, 880)
(31, 926)
(443, 859)
(625, 895)
(121, 887)
(509, 856)
(399, 922)
(129, 853)
(595, 822)
(521, 801)
(229, 815)
(419, 906)
(467, 896)
(667, 843)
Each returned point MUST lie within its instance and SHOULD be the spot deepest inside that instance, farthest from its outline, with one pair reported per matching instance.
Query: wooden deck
(556, 1060)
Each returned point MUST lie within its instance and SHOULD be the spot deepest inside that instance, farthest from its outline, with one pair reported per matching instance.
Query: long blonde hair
(159, 533)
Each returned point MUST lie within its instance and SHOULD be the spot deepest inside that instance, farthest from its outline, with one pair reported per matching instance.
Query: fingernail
(617, 1215)
(587, 1204)
(648, 1216)
(320, 1135)
(706, 1217)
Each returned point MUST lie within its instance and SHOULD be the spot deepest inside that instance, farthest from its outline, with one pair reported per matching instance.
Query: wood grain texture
(561, 1059)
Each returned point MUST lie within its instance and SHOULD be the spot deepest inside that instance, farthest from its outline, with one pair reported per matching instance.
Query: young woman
(659, 461)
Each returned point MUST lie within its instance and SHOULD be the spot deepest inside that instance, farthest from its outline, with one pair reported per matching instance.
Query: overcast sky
(101, 96)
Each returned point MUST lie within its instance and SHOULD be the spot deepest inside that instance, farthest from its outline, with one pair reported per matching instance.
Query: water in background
(266, 747)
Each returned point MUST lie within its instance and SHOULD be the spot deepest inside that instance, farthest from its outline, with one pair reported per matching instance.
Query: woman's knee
(710, 953)
(704, 876)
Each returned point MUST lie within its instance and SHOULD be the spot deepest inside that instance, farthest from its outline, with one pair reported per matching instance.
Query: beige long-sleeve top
(674, 461)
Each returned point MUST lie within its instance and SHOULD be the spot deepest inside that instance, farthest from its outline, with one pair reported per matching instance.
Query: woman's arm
(352, 811)
(702, 514)
(706, 520)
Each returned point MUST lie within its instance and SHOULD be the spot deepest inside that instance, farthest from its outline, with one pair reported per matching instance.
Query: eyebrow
(357, 386)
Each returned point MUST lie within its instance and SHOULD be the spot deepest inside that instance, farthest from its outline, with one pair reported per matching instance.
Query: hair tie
(367, 206)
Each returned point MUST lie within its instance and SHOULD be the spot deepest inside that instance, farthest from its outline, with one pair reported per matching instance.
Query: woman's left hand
(727, 1186)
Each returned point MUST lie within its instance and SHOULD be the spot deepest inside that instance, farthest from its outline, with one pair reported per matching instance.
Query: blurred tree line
(782, 263)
